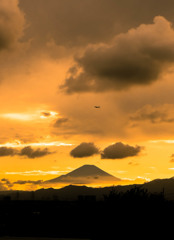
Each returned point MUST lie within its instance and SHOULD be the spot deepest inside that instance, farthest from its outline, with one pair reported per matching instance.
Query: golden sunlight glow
(30, 116)
(18, 116)
(52, 83)
(36, 173)
(162, 141)
(17, 143)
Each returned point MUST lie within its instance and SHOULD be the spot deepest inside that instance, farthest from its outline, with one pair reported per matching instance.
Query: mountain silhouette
(71, 192)
(84, 175)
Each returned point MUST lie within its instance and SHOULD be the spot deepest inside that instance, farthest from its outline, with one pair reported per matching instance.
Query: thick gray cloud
(161, 114)
(5, 151)
(23, 182)
(137, 57)
(77, 22)
(11, 23)
(26, 151)
(119, 151)
(84, 150)
(34, 153)
(71, 23)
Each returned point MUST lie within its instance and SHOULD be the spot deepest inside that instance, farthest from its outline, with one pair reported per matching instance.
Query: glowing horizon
(73, 95)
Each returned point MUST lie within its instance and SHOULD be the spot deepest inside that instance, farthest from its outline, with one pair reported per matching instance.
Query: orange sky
(58, 60)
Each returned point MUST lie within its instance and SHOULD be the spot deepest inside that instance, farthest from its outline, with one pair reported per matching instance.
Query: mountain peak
(88, 165)
(88, 170)
(85, 174)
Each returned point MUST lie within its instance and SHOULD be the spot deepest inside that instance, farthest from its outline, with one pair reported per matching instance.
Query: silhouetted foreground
(134, 213)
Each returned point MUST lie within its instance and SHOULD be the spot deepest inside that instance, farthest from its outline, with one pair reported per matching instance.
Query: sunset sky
(61, 58)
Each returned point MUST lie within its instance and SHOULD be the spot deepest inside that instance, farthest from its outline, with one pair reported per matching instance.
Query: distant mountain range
(77, 183)
(72, 192)
(85, 175)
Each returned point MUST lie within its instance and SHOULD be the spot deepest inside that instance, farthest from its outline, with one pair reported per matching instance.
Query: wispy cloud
(22, 182)
(162, 141)
(18, 116)
(36, 173)
(19, 144)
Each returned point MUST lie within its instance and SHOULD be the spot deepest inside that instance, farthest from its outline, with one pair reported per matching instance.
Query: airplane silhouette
(97, 106)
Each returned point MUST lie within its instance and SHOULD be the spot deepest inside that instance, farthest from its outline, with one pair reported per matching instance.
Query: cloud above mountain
(28, 152)
(5, 151)
(84, 150)
(119, 151)
(34, 153)
(23, 182)
(137, 57)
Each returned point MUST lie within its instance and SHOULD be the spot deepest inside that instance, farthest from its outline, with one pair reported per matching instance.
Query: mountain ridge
(71, 192)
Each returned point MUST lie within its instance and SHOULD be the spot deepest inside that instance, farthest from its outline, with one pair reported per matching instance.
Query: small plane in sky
(97, 106)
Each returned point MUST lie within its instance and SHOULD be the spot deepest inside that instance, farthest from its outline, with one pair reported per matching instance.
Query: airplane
(97, 106)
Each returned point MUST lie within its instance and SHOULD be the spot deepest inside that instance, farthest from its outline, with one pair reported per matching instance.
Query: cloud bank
(26, 152)
(118, 150)
(138, 57)
(5, 151)
(32, 153)
(12, 23)
(23, 182)
(74, 23)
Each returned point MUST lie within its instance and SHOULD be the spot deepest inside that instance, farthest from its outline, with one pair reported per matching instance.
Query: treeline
(135, 212)
(135, 195)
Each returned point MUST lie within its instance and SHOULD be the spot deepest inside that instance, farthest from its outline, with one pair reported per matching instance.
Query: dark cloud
(71, 23)
(5, 151)
(6, 183)
(119, 151)
(84, 150)
(154, 115)
(59, 122)
(34, 153)
(137, 57)
(23, 182)
(26, 151)
(11, 23)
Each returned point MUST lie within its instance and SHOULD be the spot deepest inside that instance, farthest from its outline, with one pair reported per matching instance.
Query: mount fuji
(85, 174)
